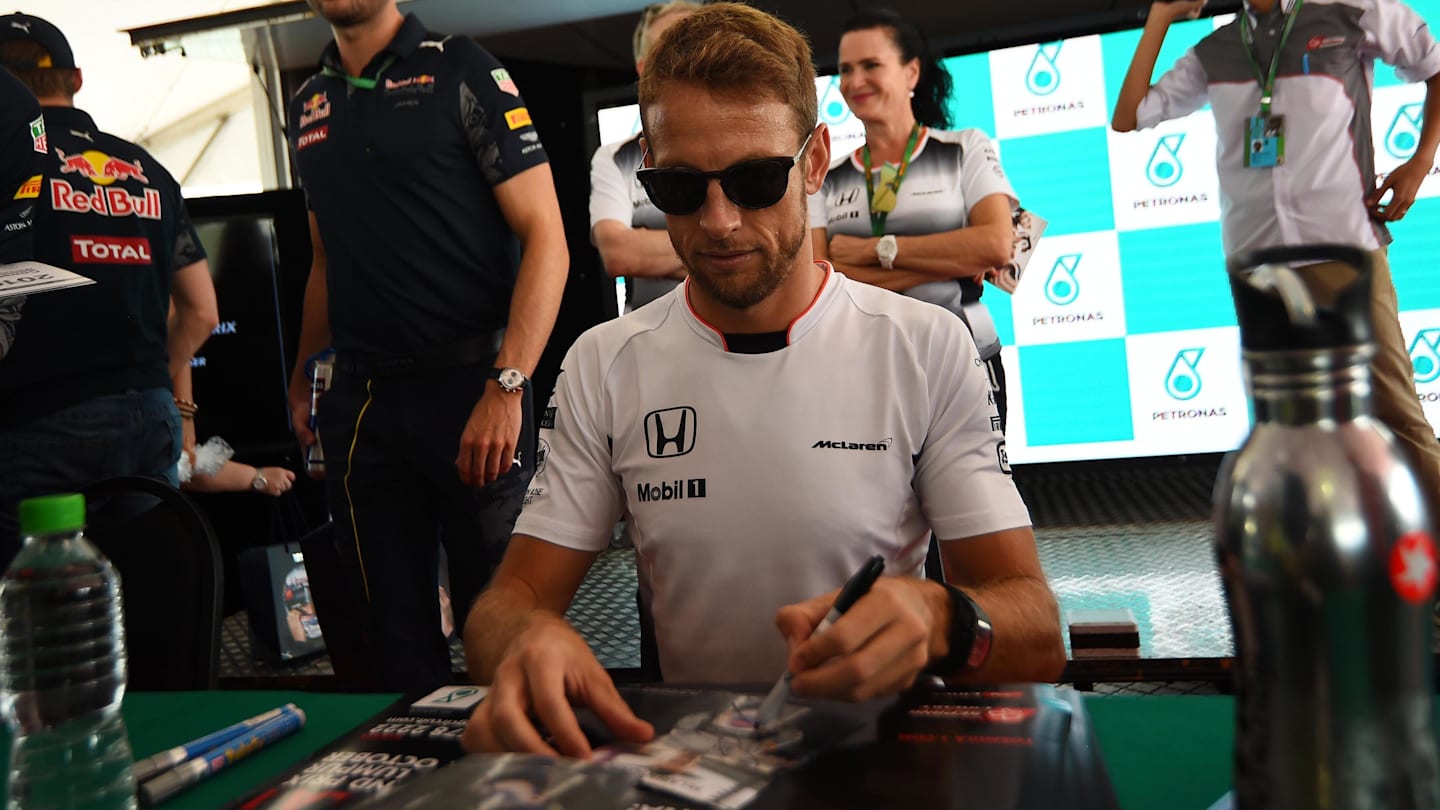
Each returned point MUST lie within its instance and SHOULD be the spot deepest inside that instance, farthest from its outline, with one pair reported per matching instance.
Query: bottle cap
(1269, 315)
(52, 514)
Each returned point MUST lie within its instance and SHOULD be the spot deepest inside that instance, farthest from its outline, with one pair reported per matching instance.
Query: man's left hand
(487, 447)
(856, 251)
(878, 647)
(1404, 184)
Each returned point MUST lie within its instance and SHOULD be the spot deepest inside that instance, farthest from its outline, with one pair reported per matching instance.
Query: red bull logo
(315, 108)
(100, 168)
(424, 83)
(106, 202)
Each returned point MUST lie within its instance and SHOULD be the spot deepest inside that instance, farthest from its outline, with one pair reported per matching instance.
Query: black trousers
(395, 496)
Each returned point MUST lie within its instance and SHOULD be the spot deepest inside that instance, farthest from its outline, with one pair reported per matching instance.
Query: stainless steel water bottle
(1327, 557)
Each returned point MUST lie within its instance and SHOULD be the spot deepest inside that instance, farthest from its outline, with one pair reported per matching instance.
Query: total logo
(1165, 168)
(1183, 381)
(110, 249)
(1403, 136)
(1061, 286)
(1425, 356)
(100, 168)
(1043, 77)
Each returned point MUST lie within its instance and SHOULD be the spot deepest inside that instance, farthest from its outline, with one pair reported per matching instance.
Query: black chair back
(171, 580)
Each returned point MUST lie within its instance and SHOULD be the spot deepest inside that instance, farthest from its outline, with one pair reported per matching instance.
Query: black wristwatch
(513, 380)
(971, 635)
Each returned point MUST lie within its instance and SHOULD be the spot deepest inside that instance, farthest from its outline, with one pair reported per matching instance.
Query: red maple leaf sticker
(1412, 567)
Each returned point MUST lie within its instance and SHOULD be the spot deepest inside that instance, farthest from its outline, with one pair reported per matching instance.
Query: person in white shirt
(770, 425)
(1304, 70)
(625, 226)
(919, 208)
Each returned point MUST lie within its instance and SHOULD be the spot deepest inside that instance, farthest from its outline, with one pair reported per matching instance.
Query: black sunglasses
(753, 184)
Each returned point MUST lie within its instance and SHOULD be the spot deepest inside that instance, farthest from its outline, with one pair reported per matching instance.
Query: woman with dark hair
(919, 208)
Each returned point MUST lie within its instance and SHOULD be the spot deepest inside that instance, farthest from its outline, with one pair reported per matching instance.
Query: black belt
(465, 353)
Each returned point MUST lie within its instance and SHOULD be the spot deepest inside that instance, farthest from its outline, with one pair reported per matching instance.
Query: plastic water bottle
(1328, 559)
(62, 666)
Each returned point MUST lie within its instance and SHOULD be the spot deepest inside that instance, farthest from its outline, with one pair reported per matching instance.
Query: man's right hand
(1170, 11)
(300, 414)
(546, 670)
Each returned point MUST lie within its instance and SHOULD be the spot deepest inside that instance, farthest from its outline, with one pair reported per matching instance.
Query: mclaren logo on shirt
(874, 447)
(670, 432)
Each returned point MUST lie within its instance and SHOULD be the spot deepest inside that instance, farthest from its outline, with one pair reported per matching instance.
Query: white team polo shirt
(949, 173)
(1323, 88)
(616, 194)
(758, 480)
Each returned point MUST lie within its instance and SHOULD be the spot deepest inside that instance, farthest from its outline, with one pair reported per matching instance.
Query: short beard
(357, 14)
(735, 294)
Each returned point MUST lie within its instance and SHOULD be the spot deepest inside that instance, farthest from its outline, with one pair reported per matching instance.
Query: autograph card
(714, 756)
(29, 278)
(1028, 228)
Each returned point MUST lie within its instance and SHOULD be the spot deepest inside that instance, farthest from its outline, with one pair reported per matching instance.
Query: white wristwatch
(887, 249)
(512, 380)
(259, 482)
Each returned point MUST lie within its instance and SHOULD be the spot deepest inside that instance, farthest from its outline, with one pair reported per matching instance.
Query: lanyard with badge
(1265, 133)
(883, 201)
(360, 82)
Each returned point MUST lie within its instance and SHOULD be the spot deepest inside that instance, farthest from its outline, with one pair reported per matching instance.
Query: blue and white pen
(857, 586)
(197, 769)
(165, 760)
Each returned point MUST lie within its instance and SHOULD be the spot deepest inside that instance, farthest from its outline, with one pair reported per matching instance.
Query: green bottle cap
(52, 514)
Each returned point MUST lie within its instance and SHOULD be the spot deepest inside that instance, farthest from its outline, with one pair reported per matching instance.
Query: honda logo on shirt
(670, 432)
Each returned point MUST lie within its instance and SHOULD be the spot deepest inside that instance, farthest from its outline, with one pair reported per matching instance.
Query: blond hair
(735, 49)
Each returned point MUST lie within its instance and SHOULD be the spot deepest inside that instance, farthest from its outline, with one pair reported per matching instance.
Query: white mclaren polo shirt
(758, 480)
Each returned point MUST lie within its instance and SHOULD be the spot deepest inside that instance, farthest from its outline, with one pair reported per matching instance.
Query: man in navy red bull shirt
(86, 391)
(423, 173)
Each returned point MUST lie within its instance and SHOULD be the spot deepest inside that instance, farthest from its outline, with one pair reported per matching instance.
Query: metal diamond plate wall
(1163, 572)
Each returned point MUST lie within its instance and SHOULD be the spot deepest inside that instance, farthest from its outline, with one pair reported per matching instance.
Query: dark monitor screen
(242, 372)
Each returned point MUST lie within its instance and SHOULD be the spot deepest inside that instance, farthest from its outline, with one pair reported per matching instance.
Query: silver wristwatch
(513, 380)
(887, 249)
(260, 482)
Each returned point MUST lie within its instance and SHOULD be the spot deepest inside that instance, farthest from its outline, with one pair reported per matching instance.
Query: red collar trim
(829, 271)
(789, 330)
(721, 335)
